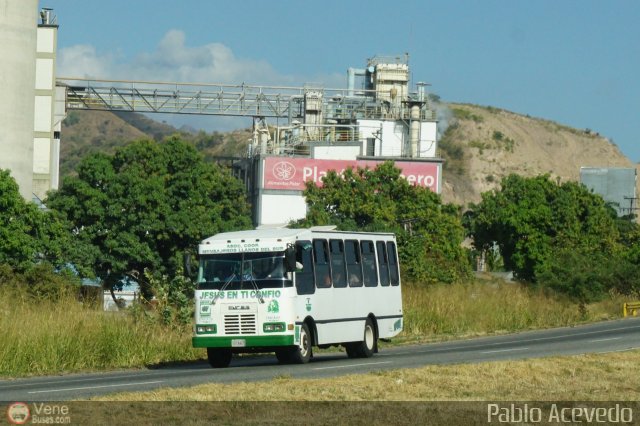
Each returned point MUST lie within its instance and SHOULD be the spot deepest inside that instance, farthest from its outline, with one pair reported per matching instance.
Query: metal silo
(18, 19)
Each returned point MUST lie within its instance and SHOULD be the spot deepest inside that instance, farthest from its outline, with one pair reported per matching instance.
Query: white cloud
(173, 60)
(82, 61)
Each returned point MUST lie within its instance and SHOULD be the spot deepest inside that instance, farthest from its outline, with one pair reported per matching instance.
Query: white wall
(43, 113)
(46, 40)
(335, 152)
(44, 74)
(18, 21)
(41, 155)
(279, 209)
(391, 133)
(428, 132)
(46, 114)
(394, 133)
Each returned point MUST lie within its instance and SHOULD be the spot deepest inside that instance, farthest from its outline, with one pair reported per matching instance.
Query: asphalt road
(603, 337)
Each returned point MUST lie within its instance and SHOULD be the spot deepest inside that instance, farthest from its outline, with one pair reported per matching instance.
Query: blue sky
(576, 62)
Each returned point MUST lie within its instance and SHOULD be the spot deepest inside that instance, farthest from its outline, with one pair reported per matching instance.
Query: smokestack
(414, 131)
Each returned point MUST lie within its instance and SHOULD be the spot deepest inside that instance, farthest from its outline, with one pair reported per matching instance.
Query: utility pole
(631, 207)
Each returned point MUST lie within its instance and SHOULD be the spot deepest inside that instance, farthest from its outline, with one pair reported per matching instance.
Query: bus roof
(272, 239)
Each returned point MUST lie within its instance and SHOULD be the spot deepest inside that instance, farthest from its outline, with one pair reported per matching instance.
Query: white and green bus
(287, 290)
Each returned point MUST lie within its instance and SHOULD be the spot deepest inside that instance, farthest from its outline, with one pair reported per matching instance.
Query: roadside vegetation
(131, 216)
(489, 306)
(57, 333)
(560, 237)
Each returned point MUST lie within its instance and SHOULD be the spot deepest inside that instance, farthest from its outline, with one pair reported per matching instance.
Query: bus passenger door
(305, 282)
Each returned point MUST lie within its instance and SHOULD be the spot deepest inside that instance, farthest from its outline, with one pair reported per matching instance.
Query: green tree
(29, 235)
(627, 274)
(141, 208)
(534, 220)
(429, 233)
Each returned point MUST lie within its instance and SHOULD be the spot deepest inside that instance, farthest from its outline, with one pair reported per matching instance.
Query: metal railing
(181, 98)
(224, 99)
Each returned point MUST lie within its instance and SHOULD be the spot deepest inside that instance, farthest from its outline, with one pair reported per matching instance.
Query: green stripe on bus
(250, 341)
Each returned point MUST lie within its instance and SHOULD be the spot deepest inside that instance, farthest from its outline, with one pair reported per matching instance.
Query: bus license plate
(238, 343)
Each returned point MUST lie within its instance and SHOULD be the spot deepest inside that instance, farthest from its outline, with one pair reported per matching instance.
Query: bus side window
(305, 283)
(394, 273)
(338, 265)
(369, 264)
(383, 263)
(354, 267)
(321, 260)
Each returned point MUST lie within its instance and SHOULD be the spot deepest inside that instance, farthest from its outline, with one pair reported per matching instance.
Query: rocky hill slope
(480, 145)
(85, 132)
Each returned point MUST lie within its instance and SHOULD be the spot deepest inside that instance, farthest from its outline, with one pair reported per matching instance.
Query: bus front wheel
(219, 357)
(302, 353)
(367, 346)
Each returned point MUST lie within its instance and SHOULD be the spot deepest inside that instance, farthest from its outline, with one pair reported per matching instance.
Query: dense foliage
(429, 233)
(141, 208)
(558, 235)
(29, 235)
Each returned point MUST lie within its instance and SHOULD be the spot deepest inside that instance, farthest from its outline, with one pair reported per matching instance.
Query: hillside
(85, 132)
(480, 145)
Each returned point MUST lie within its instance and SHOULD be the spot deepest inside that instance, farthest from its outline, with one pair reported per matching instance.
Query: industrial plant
(299, 133)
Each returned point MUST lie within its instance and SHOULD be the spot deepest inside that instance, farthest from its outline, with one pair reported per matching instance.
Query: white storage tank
(18, 20)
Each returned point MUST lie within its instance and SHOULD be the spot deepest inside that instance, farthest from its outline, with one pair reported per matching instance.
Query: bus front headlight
(206, 329)
(273, 327)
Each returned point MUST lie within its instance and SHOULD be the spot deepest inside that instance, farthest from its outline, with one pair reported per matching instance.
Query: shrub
(42, 282)
(463, 114)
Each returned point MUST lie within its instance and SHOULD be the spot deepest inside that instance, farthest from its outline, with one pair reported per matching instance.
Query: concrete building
(30, 117)
(362, 127)
(17, 82)
(616, 185)
(48, 113)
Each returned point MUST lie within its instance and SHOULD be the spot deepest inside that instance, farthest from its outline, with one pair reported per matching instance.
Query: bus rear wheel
(219, 357)
(367, 346)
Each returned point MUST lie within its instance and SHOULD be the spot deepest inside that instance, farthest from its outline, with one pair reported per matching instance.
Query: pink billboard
(292, 173)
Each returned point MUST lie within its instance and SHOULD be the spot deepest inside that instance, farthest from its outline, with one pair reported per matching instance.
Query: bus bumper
(242, 342)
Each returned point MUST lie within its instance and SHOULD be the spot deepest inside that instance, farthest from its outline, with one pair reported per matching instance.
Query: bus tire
(367, 346)
(302, 353)
(284, 355)
(352, 350)
(219, 357)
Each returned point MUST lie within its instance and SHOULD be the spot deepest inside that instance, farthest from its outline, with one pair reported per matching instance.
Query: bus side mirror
(290, 258)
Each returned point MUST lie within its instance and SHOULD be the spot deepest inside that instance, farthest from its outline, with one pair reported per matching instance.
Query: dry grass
(49, 337)
(601, 377)
(52, 337)
(490, 307)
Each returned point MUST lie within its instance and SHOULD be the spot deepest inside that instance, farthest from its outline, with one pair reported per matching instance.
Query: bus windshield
(242, 271)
